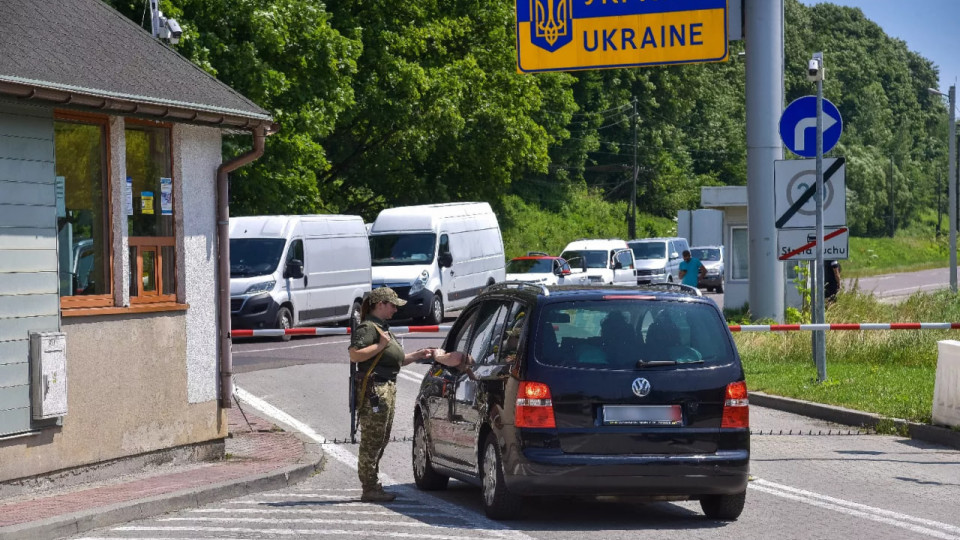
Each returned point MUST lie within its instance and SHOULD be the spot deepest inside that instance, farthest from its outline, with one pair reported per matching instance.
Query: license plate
(642, 415)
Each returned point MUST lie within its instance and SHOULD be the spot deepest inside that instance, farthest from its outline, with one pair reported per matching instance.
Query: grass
(902, 253)
(890, 373)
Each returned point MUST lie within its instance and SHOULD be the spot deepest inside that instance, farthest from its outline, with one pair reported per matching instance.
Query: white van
(609, 262)
(658, 259)
(436, 256)
(290, 271)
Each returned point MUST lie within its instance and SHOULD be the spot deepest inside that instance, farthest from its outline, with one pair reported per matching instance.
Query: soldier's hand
(384, 338)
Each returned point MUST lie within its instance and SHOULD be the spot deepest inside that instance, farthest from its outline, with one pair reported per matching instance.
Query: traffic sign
(566, 35)
(798, 126)
(800, 244)
(794, 185)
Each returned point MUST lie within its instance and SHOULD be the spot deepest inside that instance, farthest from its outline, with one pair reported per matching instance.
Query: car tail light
(534, 406)
(736, 406)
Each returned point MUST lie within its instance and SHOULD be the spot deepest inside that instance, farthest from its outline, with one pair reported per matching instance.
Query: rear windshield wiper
(655, 363)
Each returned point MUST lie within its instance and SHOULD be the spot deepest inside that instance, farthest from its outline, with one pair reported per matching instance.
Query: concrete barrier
(946, 389)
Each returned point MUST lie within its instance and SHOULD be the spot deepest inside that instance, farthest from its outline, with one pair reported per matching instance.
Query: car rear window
(622, 334)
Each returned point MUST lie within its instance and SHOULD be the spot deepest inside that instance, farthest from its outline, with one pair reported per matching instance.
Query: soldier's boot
(377, 495)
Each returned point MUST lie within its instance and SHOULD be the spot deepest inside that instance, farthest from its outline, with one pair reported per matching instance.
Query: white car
(544, 269)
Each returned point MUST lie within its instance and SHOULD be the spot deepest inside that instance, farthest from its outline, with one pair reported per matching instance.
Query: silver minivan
(658, 259)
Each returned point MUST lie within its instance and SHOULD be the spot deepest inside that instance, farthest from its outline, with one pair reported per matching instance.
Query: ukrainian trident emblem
(552, 26)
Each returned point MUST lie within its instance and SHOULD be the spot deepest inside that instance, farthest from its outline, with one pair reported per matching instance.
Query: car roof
(706, 247)
(530, 292)
(533, 257)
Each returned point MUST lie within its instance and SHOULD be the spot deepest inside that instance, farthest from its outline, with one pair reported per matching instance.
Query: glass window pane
(149, 270)
(148, 167)
(739, 253)
(82, 226)
(168, 272)
(134, 287)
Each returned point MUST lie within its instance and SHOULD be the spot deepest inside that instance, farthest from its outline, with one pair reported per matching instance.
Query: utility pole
(632, 223)
(939, 204)
(819, 336)
(893, 218)
(952, 183)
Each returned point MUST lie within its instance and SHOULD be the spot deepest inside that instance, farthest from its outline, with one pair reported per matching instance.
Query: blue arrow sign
(798, 126)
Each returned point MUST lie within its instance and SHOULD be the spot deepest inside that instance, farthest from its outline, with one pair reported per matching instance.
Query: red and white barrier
(842, 326)
(276, 332)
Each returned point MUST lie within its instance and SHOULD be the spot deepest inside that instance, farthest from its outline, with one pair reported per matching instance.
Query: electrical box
(48, 370)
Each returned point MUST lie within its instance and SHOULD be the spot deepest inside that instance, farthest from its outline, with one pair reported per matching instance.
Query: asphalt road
(805, 486)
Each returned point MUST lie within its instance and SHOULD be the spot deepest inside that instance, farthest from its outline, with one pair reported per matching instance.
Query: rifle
(353, 403)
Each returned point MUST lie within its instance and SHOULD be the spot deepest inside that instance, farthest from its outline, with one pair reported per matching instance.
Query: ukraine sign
(565, 35)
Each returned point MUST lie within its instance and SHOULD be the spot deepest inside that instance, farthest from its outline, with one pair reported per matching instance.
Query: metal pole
(632, 233)
(764, 101)
(154, 18)
(952, 183)
(819, 350)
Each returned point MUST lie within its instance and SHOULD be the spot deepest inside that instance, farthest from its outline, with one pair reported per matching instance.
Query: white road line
(328, 510)
(304, 521)
(341, 454)
(351, 504)
(411, 335)
(286, 532)
(412, 377)
(858, 510)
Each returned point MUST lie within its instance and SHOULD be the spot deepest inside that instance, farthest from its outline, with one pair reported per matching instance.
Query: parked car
(584, 390)
(712, 259)
(658, 259)
(289, 271)
(605, 261)
(436, 256)
(544, 269)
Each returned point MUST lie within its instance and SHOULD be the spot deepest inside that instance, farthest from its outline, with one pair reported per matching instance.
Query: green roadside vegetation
(917, 247)
(890, 373)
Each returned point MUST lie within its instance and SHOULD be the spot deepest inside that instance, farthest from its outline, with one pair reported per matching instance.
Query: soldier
(379, 358)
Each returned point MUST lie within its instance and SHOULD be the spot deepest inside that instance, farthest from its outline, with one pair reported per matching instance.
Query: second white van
(436, 256)
(606, 261)
(290, 271)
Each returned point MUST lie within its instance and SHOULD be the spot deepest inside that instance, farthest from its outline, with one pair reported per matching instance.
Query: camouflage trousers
(374, 433)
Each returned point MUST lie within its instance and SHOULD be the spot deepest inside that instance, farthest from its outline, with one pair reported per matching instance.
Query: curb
(79, 522)
(839, 415)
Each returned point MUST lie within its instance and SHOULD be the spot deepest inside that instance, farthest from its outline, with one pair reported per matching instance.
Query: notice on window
(61, 189)
(146, 202)
(128, 197)
(166, 196)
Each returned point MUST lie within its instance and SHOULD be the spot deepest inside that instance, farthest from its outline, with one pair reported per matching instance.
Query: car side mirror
(294, 269)
(558, 271)
(674, 255)
(445, 260)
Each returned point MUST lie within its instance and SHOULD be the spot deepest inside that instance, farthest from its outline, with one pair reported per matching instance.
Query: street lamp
(952, 182)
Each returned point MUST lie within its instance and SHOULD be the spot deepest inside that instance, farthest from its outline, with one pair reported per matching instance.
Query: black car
(588, 391)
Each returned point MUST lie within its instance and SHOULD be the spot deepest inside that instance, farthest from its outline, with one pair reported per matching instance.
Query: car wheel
(284, 322)
(436, 310)
(723, 507)
(670, 278)
(354, 320)
(719, 288)
(425, 477)
(497, 501)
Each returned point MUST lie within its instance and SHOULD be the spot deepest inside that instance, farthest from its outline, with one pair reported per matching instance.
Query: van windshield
(400, 249)
(649, 250)
(632, 335)
(706, 254)
(255, 256)
(594, 258)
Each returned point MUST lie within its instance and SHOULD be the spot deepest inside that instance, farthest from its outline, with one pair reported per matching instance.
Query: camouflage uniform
(375, 425)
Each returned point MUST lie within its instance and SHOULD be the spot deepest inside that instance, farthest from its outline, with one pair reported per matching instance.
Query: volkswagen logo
(641, 387)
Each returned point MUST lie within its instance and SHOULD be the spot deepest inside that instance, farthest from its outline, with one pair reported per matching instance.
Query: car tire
(723, 507)
(719, 288)
(284, 322)
(353, 319)
(426, 478)
(498, 502)
(436, 311)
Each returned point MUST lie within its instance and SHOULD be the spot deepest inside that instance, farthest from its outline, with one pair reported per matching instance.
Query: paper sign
(146, 202)
(128, 196)
(61, 188)
(166, 196)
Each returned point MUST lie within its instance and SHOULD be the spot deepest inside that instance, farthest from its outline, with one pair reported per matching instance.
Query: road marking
(915, 288)
(285, 532)
(341, 454)
(281, 348)
(269, 511)
(410, 376)
(304, 521)
(929, 527)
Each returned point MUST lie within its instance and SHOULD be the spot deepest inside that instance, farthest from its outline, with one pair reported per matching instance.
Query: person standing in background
(691, 270)
(831, 281)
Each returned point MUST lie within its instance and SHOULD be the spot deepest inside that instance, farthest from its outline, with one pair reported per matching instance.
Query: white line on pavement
(941, 530)
(287, 532)
(233, 511)
(282, 348)
(341, 454)
(311, 521)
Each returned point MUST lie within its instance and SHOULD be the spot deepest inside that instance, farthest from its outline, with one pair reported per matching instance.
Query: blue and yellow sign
(566, 35)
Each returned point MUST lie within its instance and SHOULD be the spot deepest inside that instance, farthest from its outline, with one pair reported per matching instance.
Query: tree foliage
(385, 103)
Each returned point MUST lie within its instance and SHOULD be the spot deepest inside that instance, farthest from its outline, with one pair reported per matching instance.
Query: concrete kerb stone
(840, 415)
(79, 522)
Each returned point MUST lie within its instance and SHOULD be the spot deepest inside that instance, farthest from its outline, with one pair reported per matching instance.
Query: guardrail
(275, 332)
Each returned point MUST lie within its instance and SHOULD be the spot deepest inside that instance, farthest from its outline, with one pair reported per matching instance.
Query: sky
(930, 28)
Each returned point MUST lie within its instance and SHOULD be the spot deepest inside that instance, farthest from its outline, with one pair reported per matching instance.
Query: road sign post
(819, 337)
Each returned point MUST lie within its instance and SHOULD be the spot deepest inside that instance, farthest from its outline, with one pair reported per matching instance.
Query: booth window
(739, 253)
(83, 210)
(150, 221)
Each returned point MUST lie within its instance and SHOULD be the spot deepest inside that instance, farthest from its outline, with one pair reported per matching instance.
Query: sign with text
(800, 244)
(566, 35)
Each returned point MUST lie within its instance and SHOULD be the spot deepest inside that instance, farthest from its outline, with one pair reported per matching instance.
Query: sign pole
(819, 336)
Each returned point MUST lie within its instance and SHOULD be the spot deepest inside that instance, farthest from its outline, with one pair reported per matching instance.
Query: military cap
(385, 294)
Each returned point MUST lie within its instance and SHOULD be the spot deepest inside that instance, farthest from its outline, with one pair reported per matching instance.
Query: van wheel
(354, 320)
(498, 503)
(284, 322)
(436, 310)
(723, 507)
(719, 288)
(425, 477)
